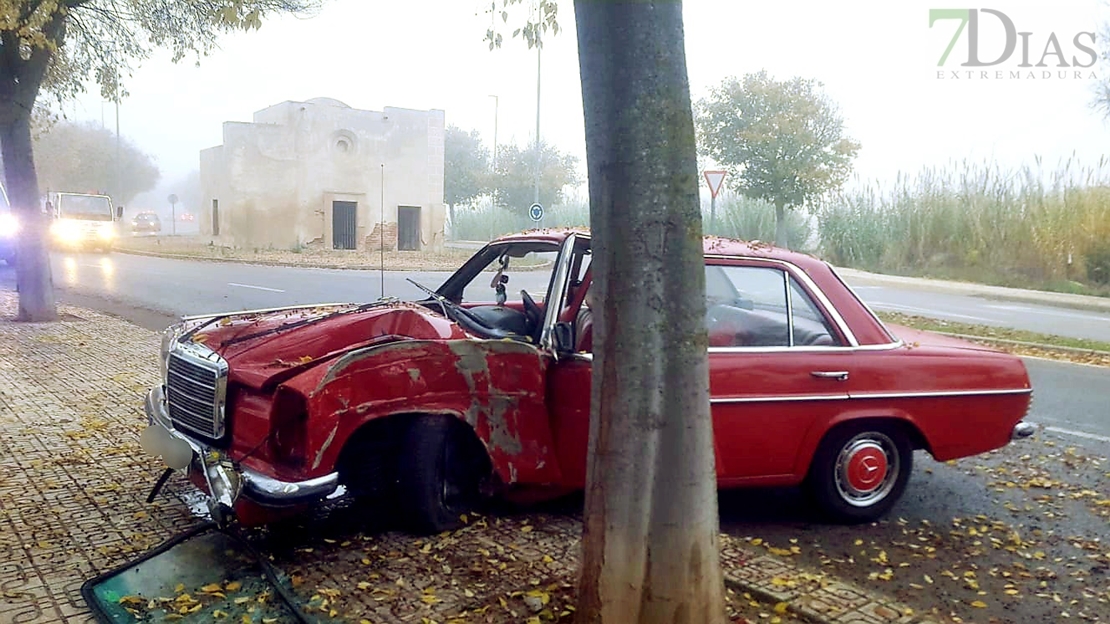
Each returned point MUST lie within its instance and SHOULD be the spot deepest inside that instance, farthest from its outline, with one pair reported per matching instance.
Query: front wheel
(441, 472)
(860, 471)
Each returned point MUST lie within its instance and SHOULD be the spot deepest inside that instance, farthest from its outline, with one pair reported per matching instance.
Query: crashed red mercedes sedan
(483, 389)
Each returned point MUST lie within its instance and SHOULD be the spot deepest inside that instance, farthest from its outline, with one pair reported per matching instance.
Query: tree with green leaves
(649, 542)
(80, 157)
(57, 46)
(781, 141)
(466, 174)
(516, 171)
(1101, 87)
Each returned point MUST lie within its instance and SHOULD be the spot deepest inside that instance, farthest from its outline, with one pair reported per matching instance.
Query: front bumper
(227, 480)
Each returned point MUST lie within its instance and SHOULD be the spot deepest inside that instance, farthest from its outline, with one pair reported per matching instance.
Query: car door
(778, 367)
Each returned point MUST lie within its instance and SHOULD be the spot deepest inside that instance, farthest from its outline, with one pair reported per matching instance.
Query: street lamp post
(493, 197)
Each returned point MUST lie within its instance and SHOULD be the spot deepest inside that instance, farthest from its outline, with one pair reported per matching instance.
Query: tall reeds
(1029, 227)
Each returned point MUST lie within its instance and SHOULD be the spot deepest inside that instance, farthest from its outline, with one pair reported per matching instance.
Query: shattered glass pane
(199, 577)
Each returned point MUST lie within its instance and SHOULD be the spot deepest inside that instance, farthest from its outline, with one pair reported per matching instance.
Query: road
(1013, 536)
(983, 311)
(176, 287)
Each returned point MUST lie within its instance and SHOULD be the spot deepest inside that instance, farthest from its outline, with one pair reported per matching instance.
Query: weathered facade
(311, 174)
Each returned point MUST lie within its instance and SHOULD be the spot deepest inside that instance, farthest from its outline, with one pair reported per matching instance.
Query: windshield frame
(61, 212)
(452, 289)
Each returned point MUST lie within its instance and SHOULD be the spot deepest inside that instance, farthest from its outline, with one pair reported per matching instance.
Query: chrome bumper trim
(1023, 430)
(257, 487)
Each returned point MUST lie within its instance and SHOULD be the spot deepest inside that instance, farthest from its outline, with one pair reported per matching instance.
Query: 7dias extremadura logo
(996, 49)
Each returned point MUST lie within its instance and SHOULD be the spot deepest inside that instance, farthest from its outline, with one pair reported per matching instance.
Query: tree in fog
(465, 168)
(81, 157)
(650, 527)
(781, 141)
(1102, 85)
(59, 45)
(514, 178)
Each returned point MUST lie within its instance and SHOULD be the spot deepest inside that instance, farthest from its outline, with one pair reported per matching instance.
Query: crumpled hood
(262, 347)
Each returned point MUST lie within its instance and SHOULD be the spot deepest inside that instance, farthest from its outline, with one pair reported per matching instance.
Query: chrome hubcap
(866, 469)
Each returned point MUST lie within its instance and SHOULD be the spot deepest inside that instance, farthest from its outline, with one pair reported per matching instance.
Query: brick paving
(73, 484)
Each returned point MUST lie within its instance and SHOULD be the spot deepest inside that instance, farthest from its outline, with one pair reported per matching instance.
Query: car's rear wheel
(441, 472)
(860, 471)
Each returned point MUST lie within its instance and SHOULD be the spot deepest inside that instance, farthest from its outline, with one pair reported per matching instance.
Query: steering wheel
(532, 312)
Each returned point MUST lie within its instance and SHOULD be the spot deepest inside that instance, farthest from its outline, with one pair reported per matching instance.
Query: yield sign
(714, 179)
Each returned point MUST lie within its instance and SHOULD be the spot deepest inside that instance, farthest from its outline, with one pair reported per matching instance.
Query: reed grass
(1028, 227)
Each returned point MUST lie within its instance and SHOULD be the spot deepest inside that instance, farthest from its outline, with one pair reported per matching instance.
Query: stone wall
(374, 242)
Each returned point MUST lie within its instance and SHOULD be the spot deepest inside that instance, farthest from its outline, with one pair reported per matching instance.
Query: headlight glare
(66, 231)
(9, 225)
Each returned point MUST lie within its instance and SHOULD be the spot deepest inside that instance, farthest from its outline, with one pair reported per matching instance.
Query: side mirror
(119, 212)
(563, 337)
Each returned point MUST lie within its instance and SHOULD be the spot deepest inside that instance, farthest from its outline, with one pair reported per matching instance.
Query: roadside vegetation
(1016, 341)
(1030, 228)
(736, 217)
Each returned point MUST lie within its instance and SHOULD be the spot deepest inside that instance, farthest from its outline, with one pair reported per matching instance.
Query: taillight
(288, 427)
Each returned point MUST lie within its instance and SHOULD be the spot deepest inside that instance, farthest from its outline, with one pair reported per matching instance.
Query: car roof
(713, 246)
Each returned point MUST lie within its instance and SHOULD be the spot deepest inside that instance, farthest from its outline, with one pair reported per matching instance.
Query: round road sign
(535, 211)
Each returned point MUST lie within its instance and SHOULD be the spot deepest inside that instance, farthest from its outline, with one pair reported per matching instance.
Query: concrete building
(311, 173)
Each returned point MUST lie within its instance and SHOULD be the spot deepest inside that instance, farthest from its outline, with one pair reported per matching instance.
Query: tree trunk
(454, 224)
(649, 548)
(21, 76)
(780, 224)
(33, 280)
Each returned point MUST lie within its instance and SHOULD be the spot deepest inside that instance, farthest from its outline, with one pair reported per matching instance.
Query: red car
(471, 392)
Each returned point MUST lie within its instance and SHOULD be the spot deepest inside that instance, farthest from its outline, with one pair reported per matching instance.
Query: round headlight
(169, 338)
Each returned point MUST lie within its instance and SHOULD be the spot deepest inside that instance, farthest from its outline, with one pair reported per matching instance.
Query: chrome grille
(196, 388)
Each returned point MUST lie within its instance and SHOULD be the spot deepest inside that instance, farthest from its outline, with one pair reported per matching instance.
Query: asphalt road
(176, 287)
(1044, 319)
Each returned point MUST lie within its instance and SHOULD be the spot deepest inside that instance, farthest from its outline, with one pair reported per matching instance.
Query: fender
(495, 386)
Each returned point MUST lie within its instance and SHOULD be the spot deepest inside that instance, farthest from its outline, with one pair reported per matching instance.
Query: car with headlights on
(82, 221)
(9, 229)
(430, 406)
(146, 222)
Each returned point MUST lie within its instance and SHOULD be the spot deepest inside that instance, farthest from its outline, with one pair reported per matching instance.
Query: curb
(885, 610)
(300, 265)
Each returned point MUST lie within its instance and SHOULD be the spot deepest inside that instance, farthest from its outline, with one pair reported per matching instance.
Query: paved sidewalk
(73, 485)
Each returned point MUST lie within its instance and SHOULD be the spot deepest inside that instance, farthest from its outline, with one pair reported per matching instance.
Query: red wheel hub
(867, 469)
